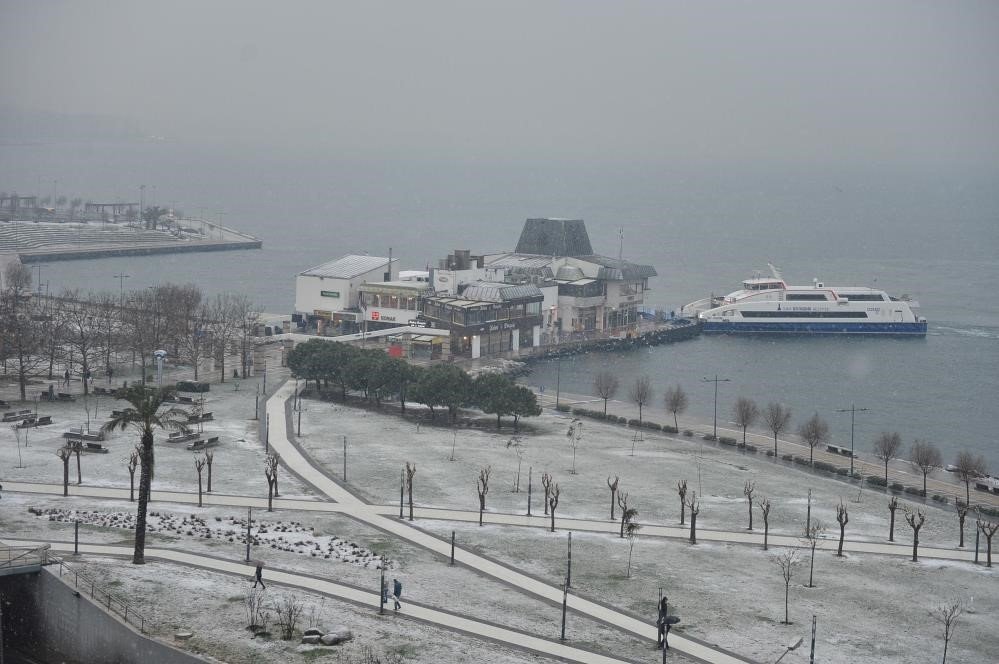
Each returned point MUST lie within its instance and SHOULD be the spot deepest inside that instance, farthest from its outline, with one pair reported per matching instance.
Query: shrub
(989, 511)
(801, 461)
(669, 428)
(578, 411)
(654, 426)
(877, 481)
(563, 408)
(843, 471)
(787, 457)
(915, 490)
(857, 475)
(708, 436)
(770, 453)
(688, 433)
(897, 486)
(750, 448)
(191, 386)
(726, 440)
(824, 466)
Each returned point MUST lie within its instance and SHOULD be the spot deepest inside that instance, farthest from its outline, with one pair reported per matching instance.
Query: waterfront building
(328, 294)
(391, 303)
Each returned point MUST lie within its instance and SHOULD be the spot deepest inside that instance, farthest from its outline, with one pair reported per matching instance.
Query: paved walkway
(355, 595)
(563, 524)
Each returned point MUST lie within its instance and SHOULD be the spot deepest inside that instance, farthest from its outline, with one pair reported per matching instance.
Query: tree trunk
(693, 527)
(131, 486)
(553, 520)
(482, 507)
(497, 421)
(766, 532)
(270, 496)
(750, 514)
(683, 510)
(886, 472)
(675, 424)
(915, 547)
(209, 478)
(811, 566)
(79, 475)
(612, 504)
(145, 488)
(65, 476)
(605, 408)
(787, 590)
(622, 525)
(891, 527)
(924, 485)
(410, 502)
(988, 551)
(775, 446)
(744, 444)
(199, 490)
(960, 519)
(842, 534)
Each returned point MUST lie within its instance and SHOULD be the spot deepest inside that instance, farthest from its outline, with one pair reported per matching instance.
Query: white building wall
(309, 297)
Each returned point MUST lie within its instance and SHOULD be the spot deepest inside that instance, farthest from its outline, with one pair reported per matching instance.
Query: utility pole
(142, 201)
(558, 380)
(39, 267)
(121, 288)
(853, 410)
(267, 432)
(344, 455)
(381, 592)
(249, 520)
(565, 602)
(568, 568)
(716, 380)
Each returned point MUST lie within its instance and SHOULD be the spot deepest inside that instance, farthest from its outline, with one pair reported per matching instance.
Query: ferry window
(806, 297)
(863, 297)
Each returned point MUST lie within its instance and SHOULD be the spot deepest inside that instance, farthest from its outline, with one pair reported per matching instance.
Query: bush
(770, 453)
(857, 475)
(989, 511)
(727, 440)
(825, 466)
(563, 408)
(750, 448)
(191, 386)
(654, 426)
(578, 411)
(634, 423)
(877, 481)
(897, 486)
(787, 457)
(801, 461)
(915, 490)
(843, 471)
(669, 428)
(708, 436)
(688, 433)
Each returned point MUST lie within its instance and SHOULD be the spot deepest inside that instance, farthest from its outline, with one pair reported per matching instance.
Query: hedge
(826, 466)
(654, 426)
(915, 490)
(688, 433)
(563, 408)
(877, 481)
(897, 486)
(750, 448)
(726, 440)
(787, 457)
(191, 386)
(708, 436)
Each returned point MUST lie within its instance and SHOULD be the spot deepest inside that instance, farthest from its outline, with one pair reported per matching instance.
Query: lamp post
(853, 410)
(716, 380)
(558, 380)
(121, 288)
(39, 267)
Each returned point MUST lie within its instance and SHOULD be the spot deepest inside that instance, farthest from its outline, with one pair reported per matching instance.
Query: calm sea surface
(930, 233)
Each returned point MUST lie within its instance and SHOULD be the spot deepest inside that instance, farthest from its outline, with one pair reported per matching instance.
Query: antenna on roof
(620, 247)
(388, 274)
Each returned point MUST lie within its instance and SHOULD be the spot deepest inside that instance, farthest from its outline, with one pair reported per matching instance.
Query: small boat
(769, 305)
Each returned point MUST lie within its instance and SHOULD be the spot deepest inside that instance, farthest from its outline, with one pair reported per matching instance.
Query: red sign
(375, 315)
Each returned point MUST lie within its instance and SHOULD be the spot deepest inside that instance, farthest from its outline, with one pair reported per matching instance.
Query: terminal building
(328, 295)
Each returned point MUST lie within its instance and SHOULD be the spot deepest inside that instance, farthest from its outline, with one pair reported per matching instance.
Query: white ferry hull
(813, 327)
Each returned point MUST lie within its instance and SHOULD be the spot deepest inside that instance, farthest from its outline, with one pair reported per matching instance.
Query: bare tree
(915, 521)
(777, 416)
(605, 384)
(65, 454)
(628, 514)
(745, 412)
(256, 617)
(631, 532)
(76, 446)
(270, 472)
(133, 463)
(410, 471)
(892, 506)
(225, 320)
(288, 611)
(553, 502)
(886, 448)
(747, 491)
(695, 509)
(641, 393)
(764, 505)
(21, 326)
(199, 466)
(546, 482)
(613, 489)
(814, 432)
(988, 529)
(947, 615)
(681, 490)
(195, 344)
(82, 333)
(962, 514)
(815, 531)
(482, 487)
(676, 402)
(788, 562)
(842, 518)
(968, 466)
(519, 447)
(209, 459)
(926, 457)
(575, 435)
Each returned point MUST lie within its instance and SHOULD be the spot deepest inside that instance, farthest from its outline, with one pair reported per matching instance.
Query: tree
(613, 489)
(444, 385)
(482, 486)
(842, 518)
(209, 459)
(193, 347)
(519, 447)
(628, 514)
(575, 435)
(76, 446)
(915, 521)
(968, 466)
(270, 474)
(788, 562)
(947, 615)
(747, 491)
(988, 529)
(410, 471)
(814, 432)
(777, 416)
(886, 448)
(82, 334)
(641, 393)
(605, 384)
(681, 490)
(133, 463)
(151, 216)
(199, 466)
(695, 509)
(631, 532)
(546, 482)
(764, 505)
(225, 320)
(65, 454)
(288, 611)
(926, 457)
(745, 413)
(815, 531)
(962, 514)
(676, 402)
(524, 403)
(553, 501)
(492, 392)
(20, 328)
(892, 506)
(144, 415)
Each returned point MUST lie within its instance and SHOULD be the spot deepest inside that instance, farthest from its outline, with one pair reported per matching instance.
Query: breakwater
(677, 330)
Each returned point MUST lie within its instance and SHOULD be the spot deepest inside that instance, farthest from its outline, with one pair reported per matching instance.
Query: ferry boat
(769, 305)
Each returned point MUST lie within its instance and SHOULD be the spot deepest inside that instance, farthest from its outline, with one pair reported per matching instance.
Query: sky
(740, 82)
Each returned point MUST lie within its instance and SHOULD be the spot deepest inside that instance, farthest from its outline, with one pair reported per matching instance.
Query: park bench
(43, 420)
(199, 445)
(30, 422)
(841, 450)
(79, 434)
(63, 396)
(15, 415)
(183, 399)
(26, 423)
(194, 418)
(102, 391)
(95, 447)
(181, 437)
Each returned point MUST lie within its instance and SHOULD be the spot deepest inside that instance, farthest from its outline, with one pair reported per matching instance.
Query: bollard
(530, 471)
(76, 538)
(565, 602)
(452, 548)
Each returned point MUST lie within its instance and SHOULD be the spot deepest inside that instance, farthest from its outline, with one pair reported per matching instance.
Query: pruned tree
(641, 393)
(745, 412)
(915, 520)
(681, 490)
(76, 446)
(574, 435)
(988, 529)
(631, 532)
(270, 474)
(288, 611)
(65, 454)
(968, 466)
(410, 471)
(482, 487)
(892, 506)
(613, 489)
(605, 384)
(815, 531)
(133, 463)
(926, 457)
(628, 514)
(814, 432)
(675, 400)
(777, 416)
(553, 502)
(764, 505)
(546, 482)
(787, 562)
(519, 447)
(947, 615)
(886, 448)
(962, 514)
(199, 466)
(842, 518)
(695, 509)
(747, 491)
(209, 459)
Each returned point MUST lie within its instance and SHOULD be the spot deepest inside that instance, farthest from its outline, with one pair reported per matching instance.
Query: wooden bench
(95, 447)
(79, 434)
(199, 445)
(181, 437)
(841, 451)
(43, 420)
(15, 415)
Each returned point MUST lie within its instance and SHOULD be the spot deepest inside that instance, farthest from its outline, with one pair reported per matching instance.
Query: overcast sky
(736, 81)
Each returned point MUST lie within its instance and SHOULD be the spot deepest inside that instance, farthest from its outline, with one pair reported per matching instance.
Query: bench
(95, 447)
(181, 437)
(199, 445)
(4, 404)
(63, 396)
(43, 420)
(15, 415)
(195, 418)
(26, 423)
(841, 450)
(187, 400)
(79, 434)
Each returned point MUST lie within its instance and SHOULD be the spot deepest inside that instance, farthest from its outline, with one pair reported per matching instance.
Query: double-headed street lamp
(716, 380)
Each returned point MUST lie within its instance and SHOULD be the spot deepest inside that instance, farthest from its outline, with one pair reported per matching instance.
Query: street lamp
(853, 410)
(121, 277)
(716, 380)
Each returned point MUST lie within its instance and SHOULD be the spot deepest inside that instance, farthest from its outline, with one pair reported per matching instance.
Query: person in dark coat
(661, 625)
(66, 377)
(397, 593)
(259, 576)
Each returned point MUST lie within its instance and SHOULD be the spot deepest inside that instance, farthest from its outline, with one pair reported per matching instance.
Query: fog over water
(856, 143)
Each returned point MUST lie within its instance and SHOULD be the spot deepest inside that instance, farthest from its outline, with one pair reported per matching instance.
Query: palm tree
(144, 415)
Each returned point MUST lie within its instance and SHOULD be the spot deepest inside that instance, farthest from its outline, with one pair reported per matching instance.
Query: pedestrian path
(504, 635)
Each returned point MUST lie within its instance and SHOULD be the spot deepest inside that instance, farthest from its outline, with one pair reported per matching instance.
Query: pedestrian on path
(259, 576)
(397, 593)
(66, 377)
(661, 624)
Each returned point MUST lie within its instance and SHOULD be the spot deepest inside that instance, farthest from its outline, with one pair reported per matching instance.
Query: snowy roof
(348, 267)
(616, 270)
(485, 291)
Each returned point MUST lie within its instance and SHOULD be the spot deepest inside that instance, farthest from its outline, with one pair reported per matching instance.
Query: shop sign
(330, 293)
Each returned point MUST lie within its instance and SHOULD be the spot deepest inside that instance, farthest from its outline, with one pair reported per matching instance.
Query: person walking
(397, 593)
(259, 576)
(661, 624)
(66, 377)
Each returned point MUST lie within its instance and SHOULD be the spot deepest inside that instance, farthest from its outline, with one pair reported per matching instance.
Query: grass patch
(405, 651)
(321, 652)
(235, 598)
